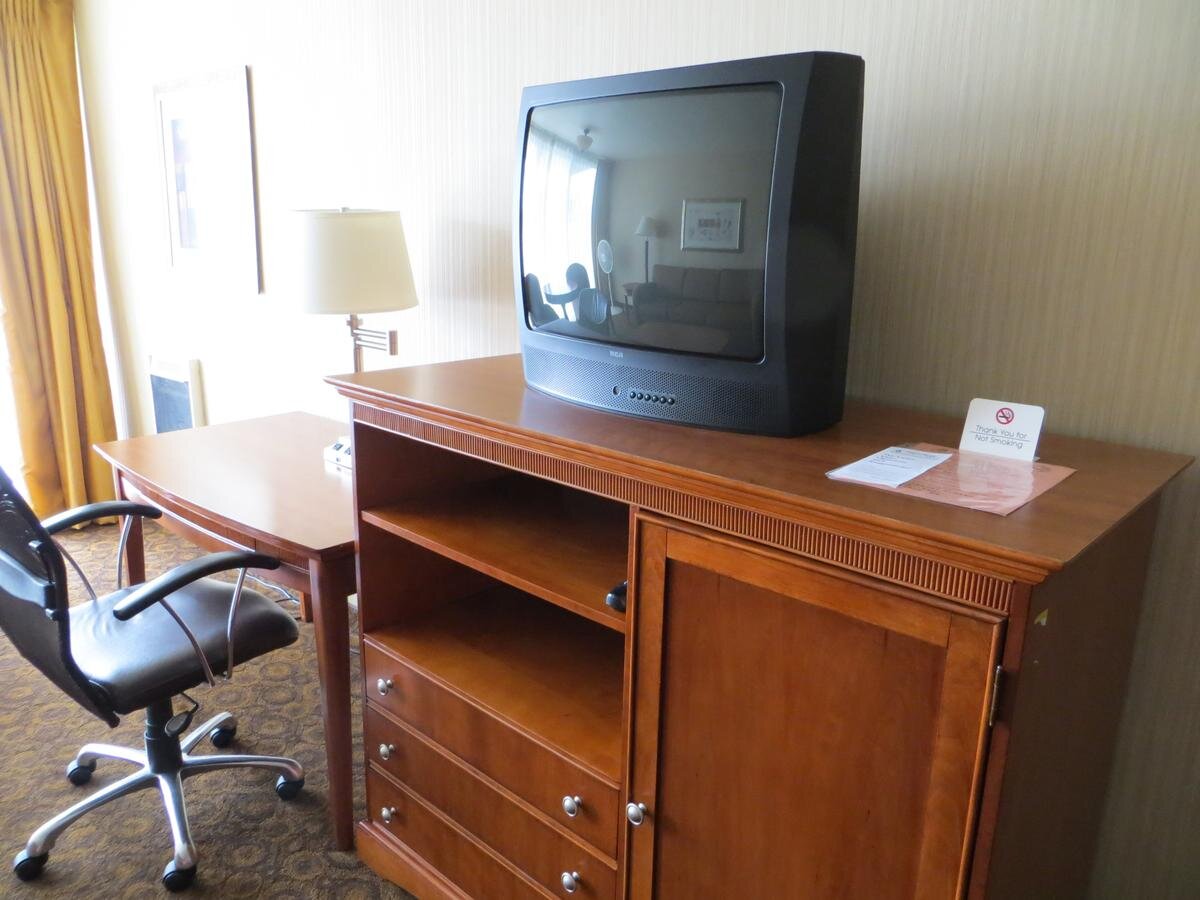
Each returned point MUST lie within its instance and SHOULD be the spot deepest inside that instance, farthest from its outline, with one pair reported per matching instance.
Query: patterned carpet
(251, 844)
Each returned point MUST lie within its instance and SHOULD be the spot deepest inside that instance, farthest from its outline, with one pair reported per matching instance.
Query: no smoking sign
(1002, 429)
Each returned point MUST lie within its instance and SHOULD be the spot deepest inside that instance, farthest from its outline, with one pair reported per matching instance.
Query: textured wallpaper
(1029, 230)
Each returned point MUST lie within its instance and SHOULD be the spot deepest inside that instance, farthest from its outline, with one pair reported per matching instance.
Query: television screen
(644, 218)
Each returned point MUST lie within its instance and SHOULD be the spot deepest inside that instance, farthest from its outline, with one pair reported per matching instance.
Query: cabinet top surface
(488, 397)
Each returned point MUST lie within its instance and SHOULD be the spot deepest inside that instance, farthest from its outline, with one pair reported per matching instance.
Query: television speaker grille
(672, 397)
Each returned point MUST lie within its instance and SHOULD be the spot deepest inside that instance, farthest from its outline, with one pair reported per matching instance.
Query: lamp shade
(352, 261)
(645, 227)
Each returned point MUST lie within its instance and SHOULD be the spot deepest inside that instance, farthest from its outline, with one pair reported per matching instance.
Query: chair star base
(164, 764)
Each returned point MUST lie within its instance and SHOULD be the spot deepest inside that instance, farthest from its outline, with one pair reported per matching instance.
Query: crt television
(685, 240)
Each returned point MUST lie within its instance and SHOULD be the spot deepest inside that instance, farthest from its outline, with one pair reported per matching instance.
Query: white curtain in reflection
(558, 192)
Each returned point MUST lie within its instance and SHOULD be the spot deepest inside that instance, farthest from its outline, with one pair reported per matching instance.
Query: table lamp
(352, 262)
(645, 229)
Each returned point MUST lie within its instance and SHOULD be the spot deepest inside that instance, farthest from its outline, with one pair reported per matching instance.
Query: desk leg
(135, 548)
(332, 627)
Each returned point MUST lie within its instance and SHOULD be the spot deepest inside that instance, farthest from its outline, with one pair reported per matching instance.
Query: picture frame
(207, 147)
(712, 225)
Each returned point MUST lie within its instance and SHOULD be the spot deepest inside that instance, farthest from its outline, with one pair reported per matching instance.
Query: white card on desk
(1002, 429)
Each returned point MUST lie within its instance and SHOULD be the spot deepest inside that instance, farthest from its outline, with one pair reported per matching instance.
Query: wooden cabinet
(810, 690)
(821, 734)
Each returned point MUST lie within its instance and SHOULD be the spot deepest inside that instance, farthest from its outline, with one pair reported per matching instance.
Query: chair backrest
(33, 601)
(535, 303)
(592, 309)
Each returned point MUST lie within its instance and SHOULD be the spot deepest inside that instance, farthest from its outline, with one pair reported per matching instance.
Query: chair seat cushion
(149, 657)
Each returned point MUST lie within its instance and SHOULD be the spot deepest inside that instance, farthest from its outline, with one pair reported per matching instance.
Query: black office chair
(136, 649)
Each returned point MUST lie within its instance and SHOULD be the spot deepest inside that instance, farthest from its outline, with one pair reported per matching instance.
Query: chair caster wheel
(175, 880)
(222, 737)
(287, 790)
(79, 774)
(28, 867)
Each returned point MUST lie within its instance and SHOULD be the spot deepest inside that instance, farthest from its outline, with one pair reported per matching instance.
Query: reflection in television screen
(644, 218)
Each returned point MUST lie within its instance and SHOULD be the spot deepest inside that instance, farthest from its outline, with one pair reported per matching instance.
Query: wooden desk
(262, 485)
(816, 690)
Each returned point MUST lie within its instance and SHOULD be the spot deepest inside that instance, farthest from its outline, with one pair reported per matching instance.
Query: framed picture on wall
(712, 225)
(208, 169)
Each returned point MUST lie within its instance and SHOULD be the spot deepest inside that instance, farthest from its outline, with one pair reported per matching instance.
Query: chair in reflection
(538, 312)
(594, 310)
(577, 281)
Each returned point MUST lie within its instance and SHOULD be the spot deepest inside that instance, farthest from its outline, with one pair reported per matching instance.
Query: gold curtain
(47, 289)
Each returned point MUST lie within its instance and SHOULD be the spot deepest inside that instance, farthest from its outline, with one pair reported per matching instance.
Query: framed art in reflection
(712, 225)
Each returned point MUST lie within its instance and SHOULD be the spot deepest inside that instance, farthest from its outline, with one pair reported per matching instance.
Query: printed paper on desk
(978, 481)
(891, 467)
(1002, 429)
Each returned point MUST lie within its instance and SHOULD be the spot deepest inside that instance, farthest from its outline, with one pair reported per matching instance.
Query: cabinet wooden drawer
(532, 844)
(459, 857)
(515, 759)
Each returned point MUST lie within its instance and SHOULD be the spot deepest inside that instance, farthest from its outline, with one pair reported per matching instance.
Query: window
(559, 189)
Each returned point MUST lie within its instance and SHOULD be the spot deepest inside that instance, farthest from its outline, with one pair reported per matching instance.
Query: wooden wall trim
(951, 582)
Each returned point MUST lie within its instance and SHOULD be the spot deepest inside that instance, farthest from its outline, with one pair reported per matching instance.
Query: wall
(1029, 225)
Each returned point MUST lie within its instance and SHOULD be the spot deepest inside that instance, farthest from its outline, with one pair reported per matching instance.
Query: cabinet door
(798, 732)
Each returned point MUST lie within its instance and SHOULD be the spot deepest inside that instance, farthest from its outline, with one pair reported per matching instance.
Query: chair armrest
(146, 595)
(80, 514)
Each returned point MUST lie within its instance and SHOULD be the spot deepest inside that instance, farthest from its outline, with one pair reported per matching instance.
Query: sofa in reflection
(724, 302)
(728, 299)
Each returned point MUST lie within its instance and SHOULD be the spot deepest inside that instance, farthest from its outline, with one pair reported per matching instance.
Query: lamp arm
(370, 339)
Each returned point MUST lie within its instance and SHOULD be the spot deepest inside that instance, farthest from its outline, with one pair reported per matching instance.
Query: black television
(684, 240)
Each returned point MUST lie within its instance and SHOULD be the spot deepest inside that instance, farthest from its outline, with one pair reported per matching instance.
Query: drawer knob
(570, 882)
(386, 814)
(386, 751)
(384, 685)
(636, 813)
(571, 806)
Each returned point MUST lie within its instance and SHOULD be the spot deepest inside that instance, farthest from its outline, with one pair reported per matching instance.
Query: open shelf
(562, 545)
(547, 672)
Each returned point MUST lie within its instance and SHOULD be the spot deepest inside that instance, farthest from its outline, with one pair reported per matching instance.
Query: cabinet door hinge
(997, 680)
